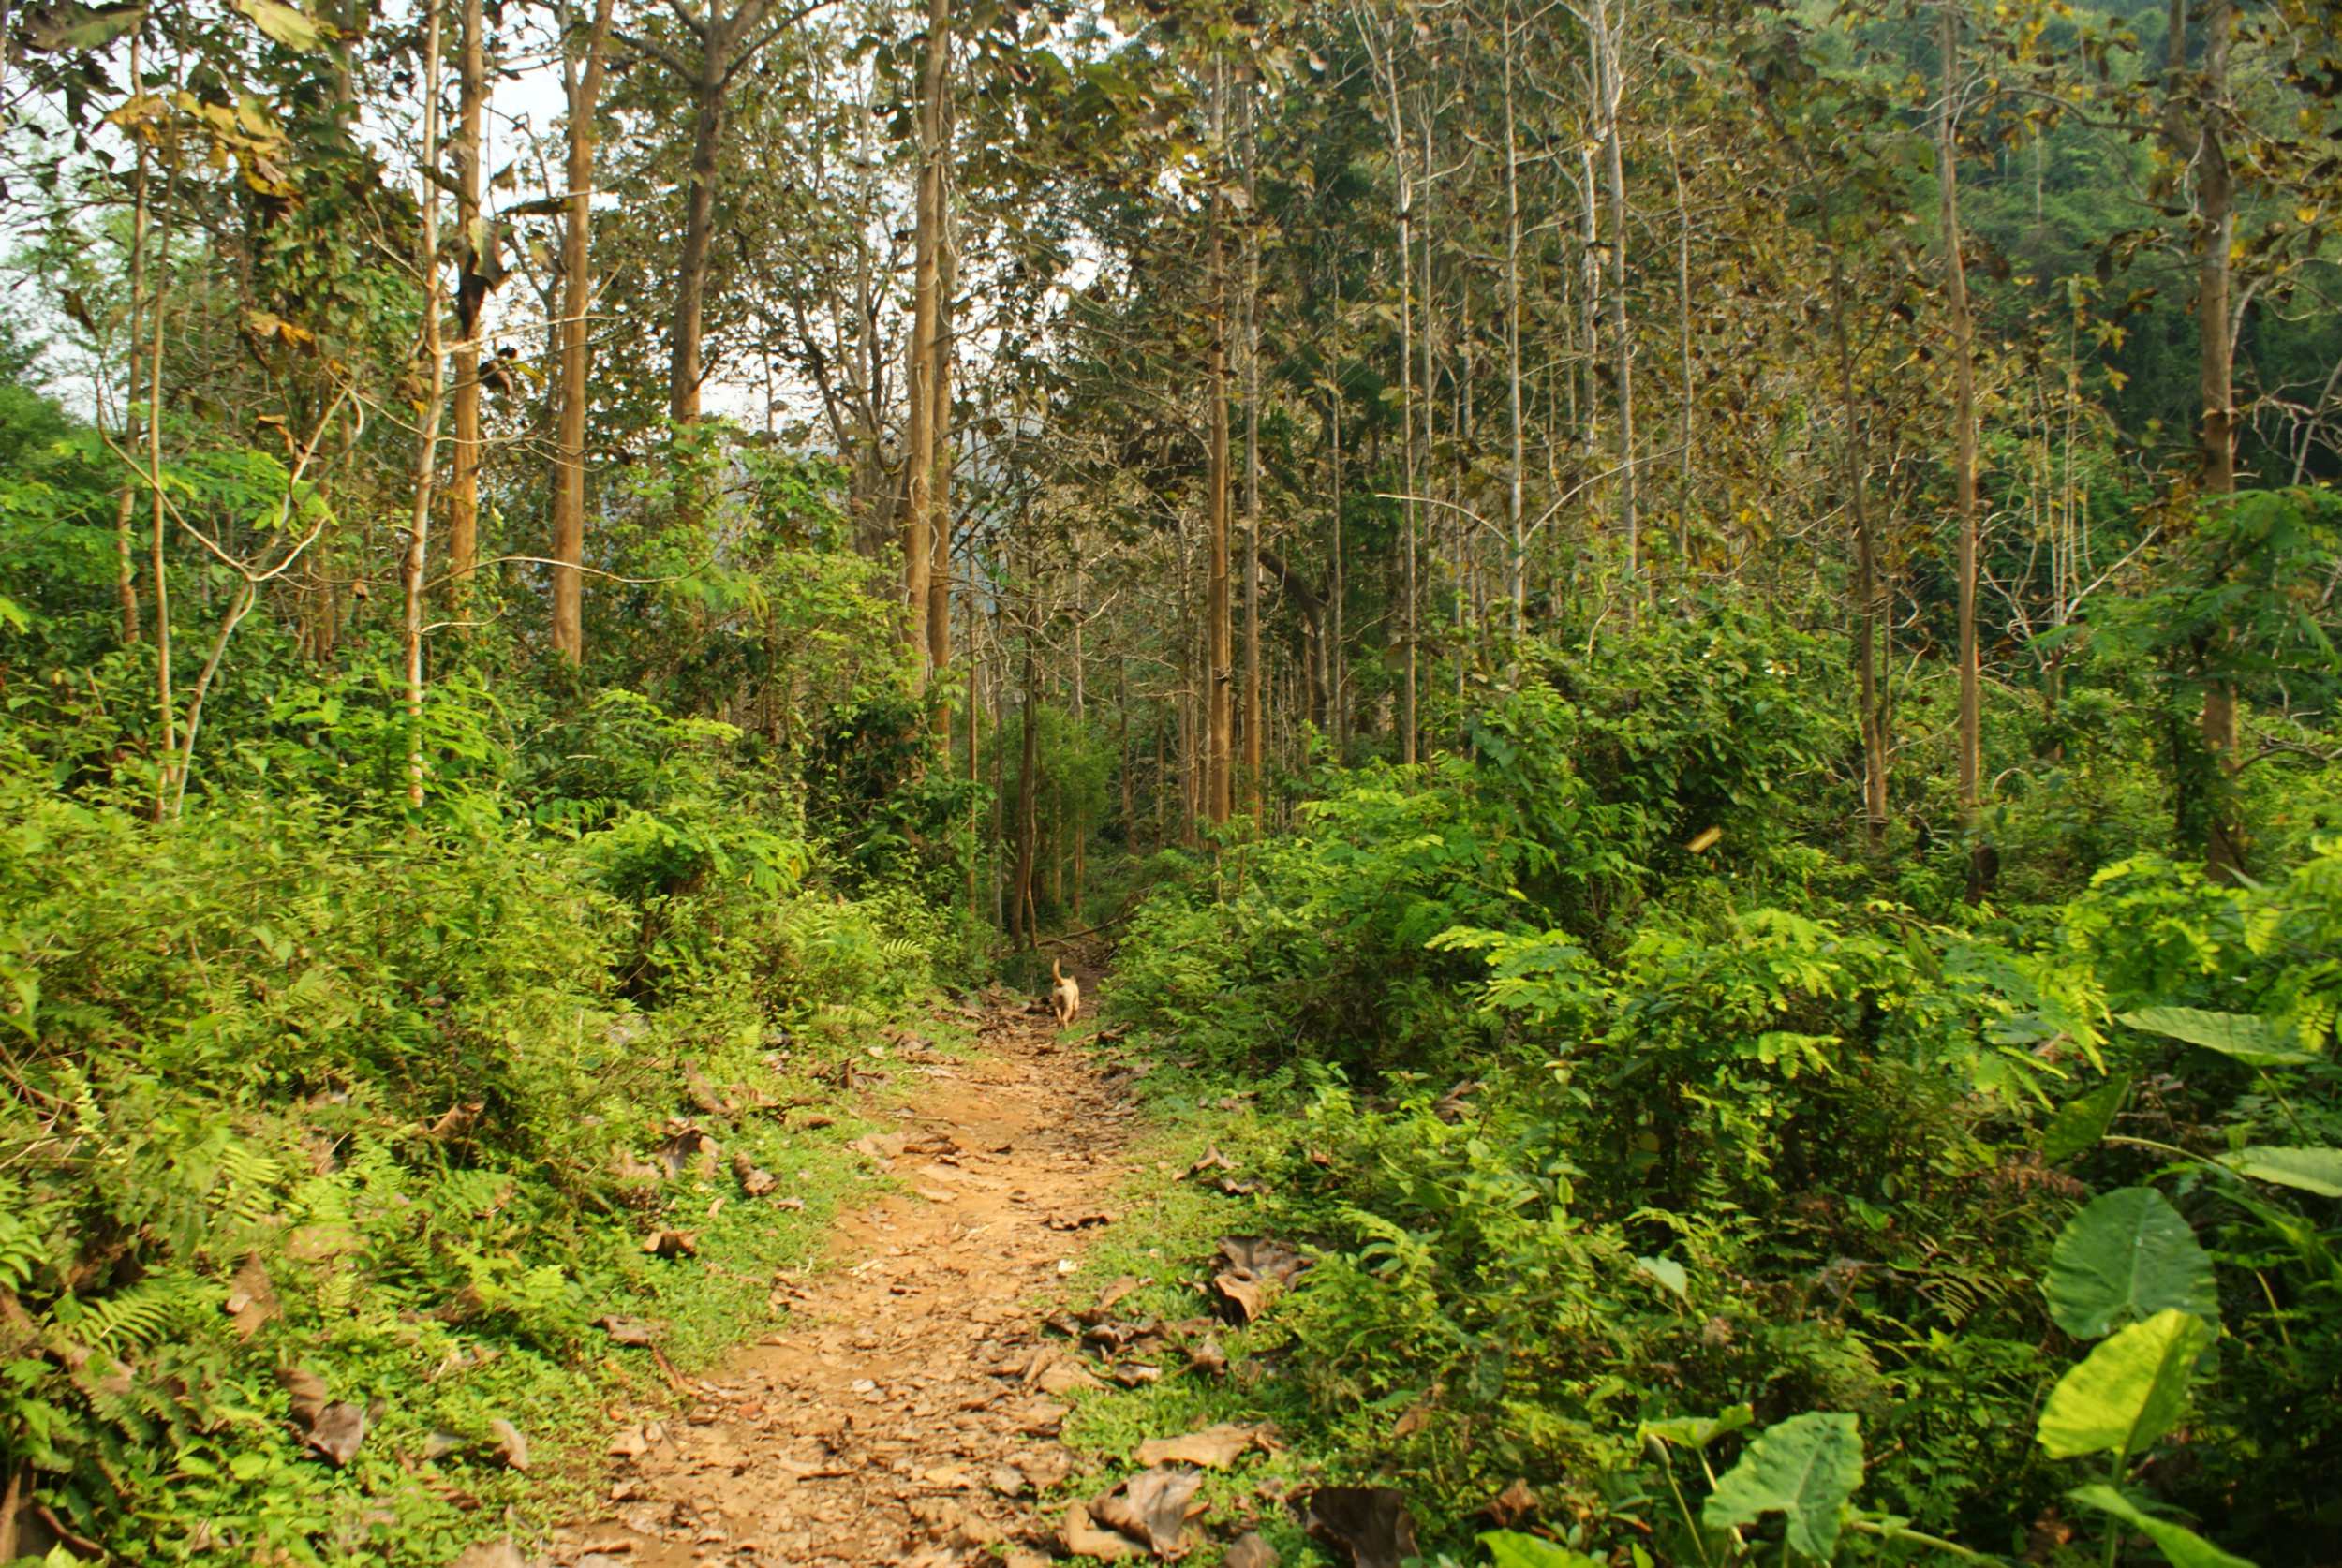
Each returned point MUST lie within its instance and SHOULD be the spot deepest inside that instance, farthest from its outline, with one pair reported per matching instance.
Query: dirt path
(890, 1420)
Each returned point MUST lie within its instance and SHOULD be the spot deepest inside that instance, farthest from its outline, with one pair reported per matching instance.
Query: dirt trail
(889, 1420)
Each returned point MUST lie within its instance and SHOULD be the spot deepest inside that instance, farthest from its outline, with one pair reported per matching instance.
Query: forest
(1665, 668)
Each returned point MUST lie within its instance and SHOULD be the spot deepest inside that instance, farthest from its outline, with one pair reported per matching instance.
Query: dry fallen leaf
(1152, 1506)
(1249, 1550)
(1513, 1505)
(1115, 1291)
(1064, 1377)
(881, 1147)
(337, 1431)
(492, 1554)
(1214, 1447)
(630, 1443)
(1368, 1525)
(627, 1331)
(672, 1244)
(1209, 1358)
(251, 1301)
(511, 1447)
(1083, 1539)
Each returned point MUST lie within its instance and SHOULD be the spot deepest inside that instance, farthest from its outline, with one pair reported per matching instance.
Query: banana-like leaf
(2255, 1042)
(2311, 1170)
(1805, 1468)
(2127, 1256)
(2080, 1122)
(2181, 1546)
(2127, 1392)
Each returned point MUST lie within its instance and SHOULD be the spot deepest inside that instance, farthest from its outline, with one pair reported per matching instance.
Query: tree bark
(2225, 840)
(1963, 435)
(126, 558)
(940, 493)
(1621, 346)
(1855, 460)
(1219, 653)
(427, 435)
(577, 283)
(919, 353)
(463, 502)
(1252, 719)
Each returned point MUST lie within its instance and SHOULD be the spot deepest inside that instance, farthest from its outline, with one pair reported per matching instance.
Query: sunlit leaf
(2127, 1392)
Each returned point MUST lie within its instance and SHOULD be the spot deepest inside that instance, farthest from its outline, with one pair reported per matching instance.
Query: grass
(1168, 1238)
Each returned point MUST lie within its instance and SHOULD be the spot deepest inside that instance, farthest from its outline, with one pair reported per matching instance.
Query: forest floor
(906, 1412)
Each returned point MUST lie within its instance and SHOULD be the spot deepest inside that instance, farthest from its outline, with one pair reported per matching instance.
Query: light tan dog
(1065, 997)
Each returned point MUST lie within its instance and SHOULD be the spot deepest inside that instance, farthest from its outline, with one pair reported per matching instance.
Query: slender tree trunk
(1963, 437)
(919, 353)
(940, 493)
(427, 435)
(1683, 321)
(1338, 661)
(1220, 652)
(1516, 454)
(1253, 719)
(2222, 721)
(1856, 462)
(577, 288)
(1028, 784)
(708, 114)
(166, 704)
(1621, 346)
(463, 508)
(126, 555)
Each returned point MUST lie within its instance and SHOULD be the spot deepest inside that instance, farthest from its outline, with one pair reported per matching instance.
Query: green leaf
(2080, 1122)
(2255, 1042)
(2181, 1546)
(2127, 1392)
(1805, 1468)
(2312, 1170)
(2127, 1256)
(1698, 1431)
(1509, 1549)
(1667, 1272)
(283, 23)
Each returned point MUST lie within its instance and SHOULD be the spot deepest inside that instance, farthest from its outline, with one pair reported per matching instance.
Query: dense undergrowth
(335, 1124)
(1613, 1155)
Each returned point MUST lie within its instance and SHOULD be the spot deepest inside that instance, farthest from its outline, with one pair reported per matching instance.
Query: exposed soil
(902, 1415)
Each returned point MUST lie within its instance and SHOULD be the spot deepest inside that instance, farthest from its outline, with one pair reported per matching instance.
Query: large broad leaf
(1697, 1431)
(2127, 1392)
(1805, 1468)
(2080, 1122)
(2255, 1042)
(2312, 1170)
(2181, 1546)
(1509, 1549)
(2127, 1256)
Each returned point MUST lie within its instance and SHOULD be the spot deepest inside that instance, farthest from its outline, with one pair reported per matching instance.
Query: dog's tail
(1056, 969)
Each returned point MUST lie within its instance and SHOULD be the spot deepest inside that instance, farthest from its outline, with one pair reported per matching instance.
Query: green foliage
(2127, 1255)
(1805, 1469)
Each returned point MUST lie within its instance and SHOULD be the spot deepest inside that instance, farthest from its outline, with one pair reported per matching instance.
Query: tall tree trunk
(940, 493)
(1028, 784)
(126, 558)
(1963, 435)
(1515, 452)
(577, 288)
(1683, 322)
(463, 502)
(1253, 720)
(709, 115)
(1855, 458)
(1220, 652)
(1613, 87)
(918, 537)
(427, 434)
(166, 704)
(2225, 840)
